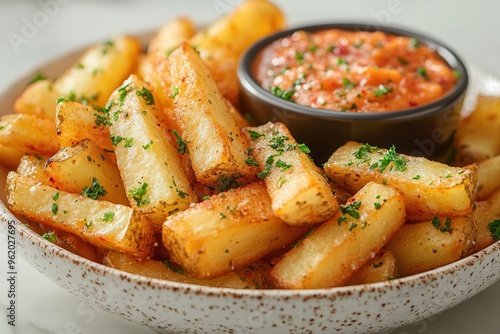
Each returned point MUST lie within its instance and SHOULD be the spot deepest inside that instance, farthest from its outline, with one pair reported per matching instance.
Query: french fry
(430, 188)
(72, 243)
(87, 169)
(222, 43)
(103, 224)
(218, 150)
(484, 214)
(299, 192)
(38, 99)
(334, 251)
(251, 277)
(155, 183)
(477, 137)
(227, 232)
(488, 180)
(423, 246)
(76, 122)
(29, 134)
(381, 268)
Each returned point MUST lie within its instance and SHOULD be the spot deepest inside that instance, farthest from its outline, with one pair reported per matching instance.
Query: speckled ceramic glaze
(180, 308)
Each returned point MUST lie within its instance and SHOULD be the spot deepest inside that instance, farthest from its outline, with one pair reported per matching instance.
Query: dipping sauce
(353, 71)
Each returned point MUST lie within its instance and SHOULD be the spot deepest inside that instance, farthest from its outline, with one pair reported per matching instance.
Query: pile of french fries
(140, 160)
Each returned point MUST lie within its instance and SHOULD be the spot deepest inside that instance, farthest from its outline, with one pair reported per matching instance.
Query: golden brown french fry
(423, 246)
(227, 232)
(222, 43)
(334, 251)
(382, 267)
(430, 188)
(76, 122)
(299, 192)
(218, 150)
(99, 71)
(245, 278)
(88, 170)
(103, 224)
(488, 177)
(38, 99)
(29, 134)
(477, 137)
(155, 183)
(484, 214)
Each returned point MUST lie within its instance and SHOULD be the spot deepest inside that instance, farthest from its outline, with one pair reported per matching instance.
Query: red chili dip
(354, 71)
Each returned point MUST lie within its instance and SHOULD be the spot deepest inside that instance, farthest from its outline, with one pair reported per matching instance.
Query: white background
(471, 27)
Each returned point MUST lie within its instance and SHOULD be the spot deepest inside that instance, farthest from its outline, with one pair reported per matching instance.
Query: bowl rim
(24, 231)
(248, 83)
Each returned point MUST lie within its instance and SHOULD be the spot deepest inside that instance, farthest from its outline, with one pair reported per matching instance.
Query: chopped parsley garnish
(146, 95)
(414, 43)
(181, 193)
(457, 74)
(392, 156)
(254, 135)
(377, 205)
(56, 196)
(353, 226)
(494, 228)
(128, 142)
(252, 162)
(139, 194)
(148, 145)
(278, 142)
(416, 177)
(225, 182)
(123, 91)
(423, 73)
(175, 91)
(286, 94)
(173, 267)
(62, 99)
(107, 46)
(102, 119)
(50, 236)
(55, 208)
(115, 140)
(348, 84)
(95, 190)
(363, 152)
(382, 90)
(108, 216)
(267, 167)
(283, 165)
(351, 209)
(304, 148)
(181, 144)
(37, 77)
(446, 227)
(299, 56)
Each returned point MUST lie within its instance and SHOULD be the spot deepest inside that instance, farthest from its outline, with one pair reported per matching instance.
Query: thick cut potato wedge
(485, 213)
(155, 182)
(103, 224)
(477, 137)
(29, 134)
(99, 71)
(332, 253)
(299, 192)
(381, 268)
(88, 170)
(488, 177)
(218, 149)
(38, 99)
(222, 43)
(430, 188)
(76, 122)
(250, 277)
(227, 232)
(423, 246)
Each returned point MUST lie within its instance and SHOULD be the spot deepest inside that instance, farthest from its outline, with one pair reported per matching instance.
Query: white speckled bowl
(180, 308)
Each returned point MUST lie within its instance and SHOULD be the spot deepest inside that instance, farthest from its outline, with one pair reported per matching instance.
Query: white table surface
(472, 28)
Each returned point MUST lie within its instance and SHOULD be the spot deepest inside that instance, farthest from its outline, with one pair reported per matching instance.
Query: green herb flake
(422, 72)
(416, 177)
(348, 84)
(254, 135)
(139, 194)
(37, 77)
(175, 268)
(146, 95)
(107, 46)
(225, 182)
(252, 162)
(377, 205)
(494, 228)
(50, 236)
(363, 152)
(115, 140)
(181, 193)
(128, 142)
(122, 93)
(351, 209)
(378, 264)
(108, 216)
(222, 216)
(56, 196)
(95, 191)
(414, 43)
(283, 165)
(392, 157)
(382, 90)
(55, 208)
(181, 144)
(285, 94)
(299, 56)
